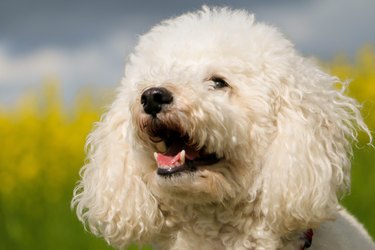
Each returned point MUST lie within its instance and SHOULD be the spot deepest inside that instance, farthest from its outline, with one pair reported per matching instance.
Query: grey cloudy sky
(86, 42)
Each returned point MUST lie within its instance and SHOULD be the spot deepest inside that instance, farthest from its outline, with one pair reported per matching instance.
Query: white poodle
(222, 137)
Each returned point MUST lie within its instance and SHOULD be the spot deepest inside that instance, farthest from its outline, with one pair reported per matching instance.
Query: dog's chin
(205, 184)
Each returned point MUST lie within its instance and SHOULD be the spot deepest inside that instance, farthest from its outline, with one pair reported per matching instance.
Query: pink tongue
(172, 158)
(166, 160)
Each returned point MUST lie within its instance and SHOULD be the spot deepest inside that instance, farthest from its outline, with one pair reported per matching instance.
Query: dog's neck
(217, 226)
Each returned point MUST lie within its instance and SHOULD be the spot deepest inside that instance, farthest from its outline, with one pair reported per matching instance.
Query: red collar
(307, 237)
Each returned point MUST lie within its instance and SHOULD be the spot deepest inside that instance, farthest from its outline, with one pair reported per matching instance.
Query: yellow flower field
(42, 150)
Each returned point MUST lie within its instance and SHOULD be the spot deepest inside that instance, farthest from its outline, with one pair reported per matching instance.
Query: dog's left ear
(112, 198)
(307, 165)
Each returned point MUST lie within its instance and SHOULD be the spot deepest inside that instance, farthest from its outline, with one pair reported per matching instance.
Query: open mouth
(180, 156)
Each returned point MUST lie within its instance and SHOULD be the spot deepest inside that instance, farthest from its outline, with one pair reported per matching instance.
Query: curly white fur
(283, 132)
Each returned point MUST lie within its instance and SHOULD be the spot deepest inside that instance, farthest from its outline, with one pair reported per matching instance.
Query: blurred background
(60, 62)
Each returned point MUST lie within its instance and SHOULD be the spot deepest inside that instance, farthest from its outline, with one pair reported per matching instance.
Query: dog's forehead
(198, 44)
(195, 38)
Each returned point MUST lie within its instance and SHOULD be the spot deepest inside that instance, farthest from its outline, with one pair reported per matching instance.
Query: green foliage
(361, 201)
(42, 151)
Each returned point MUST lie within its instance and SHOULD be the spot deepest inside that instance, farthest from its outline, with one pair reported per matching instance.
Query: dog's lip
(188, 165)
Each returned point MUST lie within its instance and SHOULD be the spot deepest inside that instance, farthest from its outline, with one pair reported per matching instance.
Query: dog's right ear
(307, 167)
(111, 199)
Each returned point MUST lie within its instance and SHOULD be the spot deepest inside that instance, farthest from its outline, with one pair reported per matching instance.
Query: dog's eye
(219, 83)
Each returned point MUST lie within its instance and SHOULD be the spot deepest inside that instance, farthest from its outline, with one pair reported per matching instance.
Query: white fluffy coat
(282, 130)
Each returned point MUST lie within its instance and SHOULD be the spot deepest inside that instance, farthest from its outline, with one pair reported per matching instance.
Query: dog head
(215, 108)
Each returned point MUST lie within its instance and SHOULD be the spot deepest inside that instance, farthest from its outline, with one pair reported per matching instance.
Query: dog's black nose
(153, 100)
